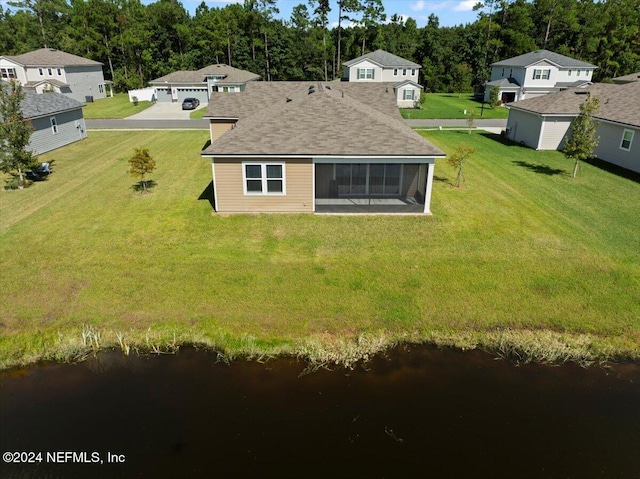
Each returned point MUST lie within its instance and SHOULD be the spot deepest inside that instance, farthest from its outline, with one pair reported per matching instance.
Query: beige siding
(554, 133)
(218, 128)
(230, 190)
(609, 147)
(524, 127)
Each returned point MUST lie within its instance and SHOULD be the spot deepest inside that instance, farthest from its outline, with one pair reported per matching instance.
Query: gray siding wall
(609, 147)
(43, 139)
(524, 127)
(554, 133)
(85, 81)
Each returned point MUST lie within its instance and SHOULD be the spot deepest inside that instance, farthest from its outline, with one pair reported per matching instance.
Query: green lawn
(117, 107)
(443, 106)
(522, 258)
(197, 114)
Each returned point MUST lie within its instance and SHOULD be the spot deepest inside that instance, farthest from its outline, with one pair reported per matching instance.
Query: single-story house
(48, 69)
(382, 66)
(317, 147)
(177, 86)
(57, 120)
(536, 73)
(543, 123)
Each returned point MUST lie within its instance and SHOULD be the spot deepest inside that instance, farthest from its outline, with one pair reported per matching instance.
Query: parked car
(40, 172)
(190, 103)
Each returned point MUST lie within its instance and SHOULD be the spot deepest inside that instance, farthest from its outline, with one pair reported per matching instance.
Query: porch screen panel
(343, 178)
(358, 179)
(392, 179)
(376, 180)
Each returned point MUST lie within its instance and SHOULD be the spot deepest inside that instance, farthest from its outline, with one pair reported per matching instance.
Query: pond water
(415, 412)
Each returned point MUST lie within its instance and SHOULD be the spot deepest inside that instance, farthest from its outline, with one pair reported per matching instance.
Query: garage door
(199, 93)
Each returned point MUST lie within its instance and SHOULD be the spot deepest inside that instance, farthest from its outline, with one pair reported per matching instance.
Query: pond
(414, 412)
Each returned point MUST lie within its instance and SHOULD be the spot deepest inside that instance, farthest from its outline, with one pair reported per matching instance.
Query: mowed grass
(117, 107)
(521, 258)
(451, 106)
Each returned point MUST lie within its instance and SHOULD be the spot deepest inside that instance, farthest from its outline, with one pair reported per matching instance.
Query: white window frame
(54, 125)
(59, 71)
(541, 74)
(406, 91)
(263, 177)
(630, 139)
(41, 72)
(404, 72)
(8, 73)
(395, 72)
(363, 74)
(49, 72)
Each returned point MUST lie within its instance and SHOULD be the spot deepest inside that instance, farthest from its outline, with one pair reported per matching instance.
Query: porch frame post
(427, 194)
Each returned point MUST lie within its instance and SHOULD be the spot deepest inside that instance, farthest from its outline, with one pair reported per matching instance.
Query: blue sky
(450, 12)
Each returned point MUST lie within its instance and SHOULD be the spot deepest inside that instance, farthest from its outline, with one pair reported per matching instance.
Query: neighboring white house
(536, 73)
(543, 122)
(177, 86)
(382, 66)
(48, 69)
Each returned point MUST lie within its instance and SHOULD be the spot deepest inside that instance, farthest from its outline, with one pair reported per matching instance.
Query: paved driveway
(164, 111)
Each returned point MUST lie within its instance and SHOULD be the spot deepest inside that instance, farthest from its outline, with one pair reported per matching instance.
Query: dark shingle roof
(36, 105)
(627, 78)
(618, 103)
(539, 55)
(325, 122)
(232, 75)
(384, 59)
(50, 57)
(505, 83)
(260, 95)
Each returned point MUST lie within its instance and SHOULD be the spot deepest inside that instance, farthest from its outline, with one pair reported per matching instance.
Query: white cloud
(418, 6)
(345, 25)
(465, 6)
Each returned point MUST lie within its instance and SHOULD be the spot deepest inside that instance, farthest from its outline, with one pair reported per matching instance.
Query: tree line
(139, 42)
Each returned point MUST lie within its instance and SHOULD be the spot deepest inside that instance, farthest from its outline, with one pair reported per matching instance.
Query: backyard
(450, 106)
(521, 260)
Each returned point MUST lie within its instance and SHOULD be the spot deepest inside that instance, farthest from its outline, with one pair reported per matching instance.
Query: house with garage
(317, 147)
(536, 73)
(51, 70)
(543, 123)
(200, 84)
(382, 66)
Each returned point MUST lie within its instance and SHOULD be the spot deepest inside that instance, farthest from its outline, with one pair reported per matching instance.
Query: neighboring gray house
(48, 69)
(536, 73)
(317, 147)
(177, 86)
(543, 123)
(57, 120)
(382, 66)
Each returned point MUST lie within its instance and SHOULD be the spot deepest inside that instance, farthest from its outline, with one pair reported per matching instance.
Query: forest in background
(138, 43)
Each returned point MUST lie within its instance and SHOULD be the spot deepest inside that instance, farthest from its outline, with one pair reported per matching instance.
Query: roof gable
(537, 56)
(384, 59)
(35, 105)
(229, 74)
(319, 120)
(50, 57)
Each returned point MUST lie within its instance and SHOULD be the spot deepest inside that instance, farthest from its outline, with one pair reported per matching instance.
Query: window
(571, 72)
(54, 125)
(408, 95)
(366, 74)
(395, 72)
(59, 71)
(49, 71)
(40, 71)
(541, 74)
(8, 72)
(101, 88)
(263, 178)
(502, 73)
(627, 140)
(413, 72)
(404, 72)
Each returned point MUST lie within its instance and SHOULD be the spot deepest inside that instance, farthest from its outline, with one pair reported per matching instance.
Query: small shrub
(134, 99)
